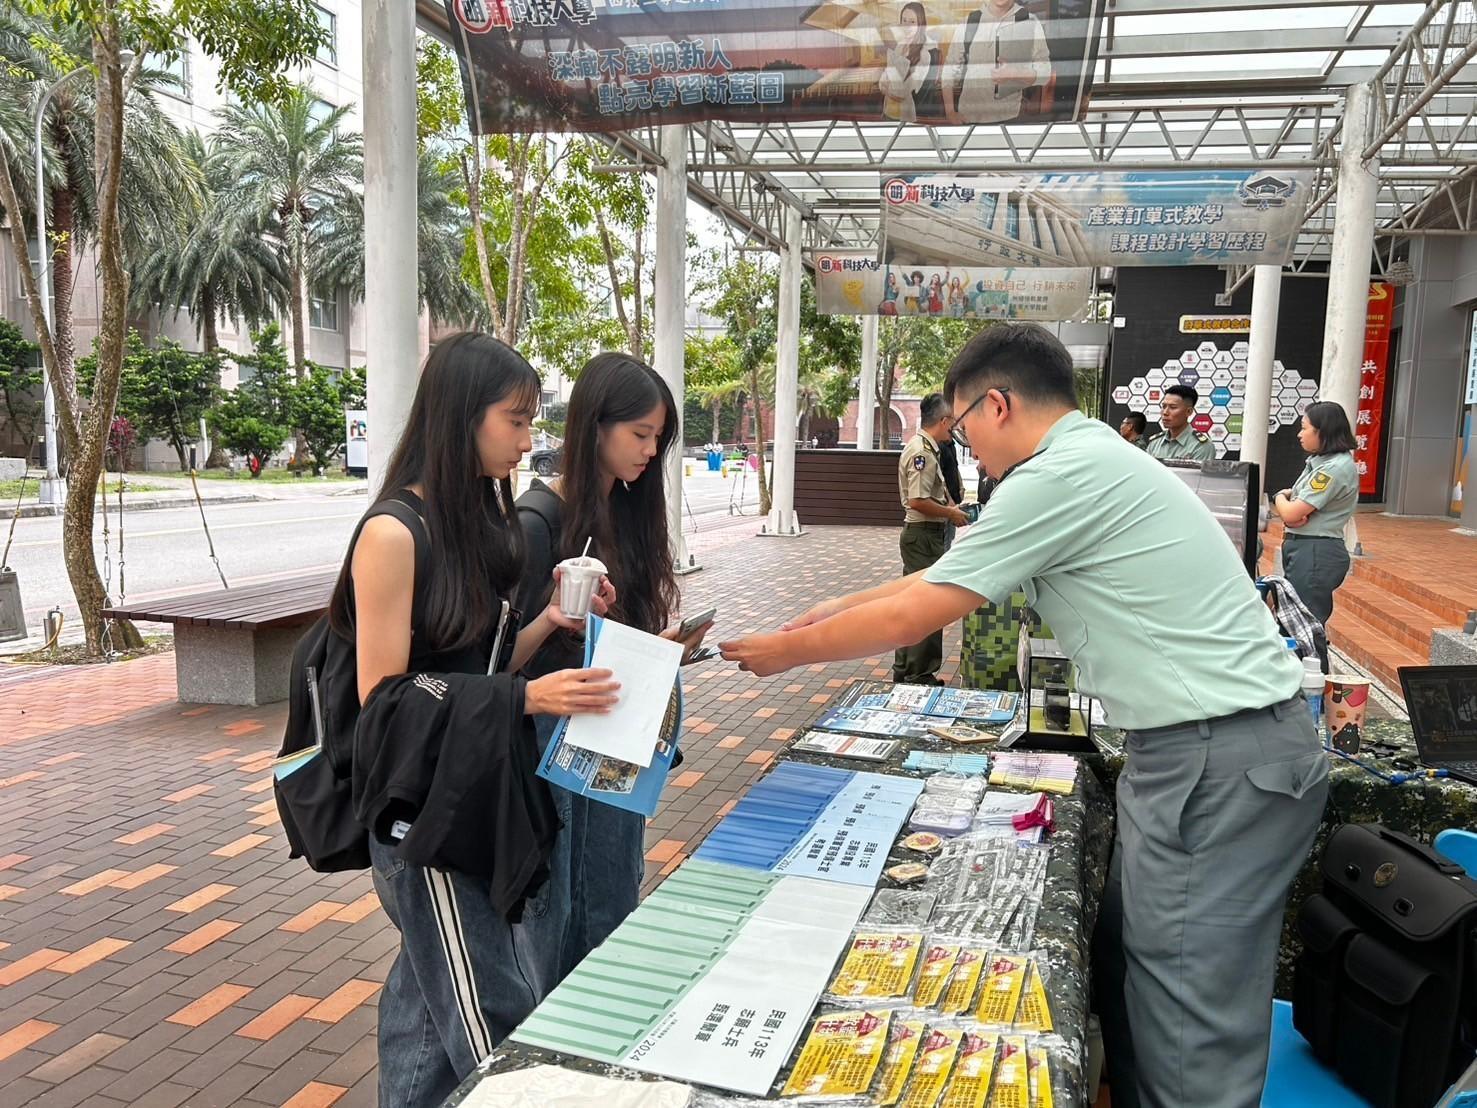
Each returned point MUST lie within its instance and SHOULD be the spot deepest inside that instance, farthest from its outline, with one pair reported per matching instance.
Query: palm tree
(442, 226)
(214, 260)
(156, 175)
(295, 176)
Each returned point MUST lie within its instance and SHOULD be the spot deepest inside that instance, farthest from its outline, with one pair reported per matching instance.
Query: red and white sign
(1373, 382)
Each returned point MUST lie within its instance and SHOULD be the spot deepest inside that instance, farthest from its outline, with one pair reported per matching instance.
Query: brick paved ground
(157, 947)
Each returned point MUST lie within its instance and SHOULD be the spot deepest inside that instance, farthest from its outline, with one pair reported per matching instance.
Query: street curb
(31, 511)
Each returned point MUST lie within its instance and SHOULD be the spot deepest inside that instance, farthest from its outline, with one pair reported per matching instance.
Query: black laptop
(1442, 702)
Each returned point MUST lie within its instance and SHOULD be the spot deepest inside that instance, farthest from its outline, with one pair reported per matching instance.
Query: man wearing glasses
(1225, 779)
(927, 515)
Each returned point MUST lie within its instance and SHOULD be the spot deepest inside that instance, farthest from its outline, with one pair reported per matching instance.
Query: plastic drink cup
(578, 580)
(1345, 699)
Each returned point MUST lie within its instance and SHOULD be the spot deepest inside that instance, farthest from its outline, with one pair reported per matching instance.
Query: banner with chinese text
(601, 65)
(858, 284)
(1100, 218)
(1370, 422)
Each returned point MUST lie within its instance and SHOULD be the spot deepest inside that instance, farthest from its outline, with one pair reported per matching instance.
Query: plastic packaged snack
(907, 873)
(1034, 1013)
(1000, 994)
(1012, 1078)
(933, 976)
(924, 842)
(900, 908)
(1038, 1066)
(841, 1055)
(932, 1066)
(969, 1086)
(964, 981)
(878, 965)
(902, 1047)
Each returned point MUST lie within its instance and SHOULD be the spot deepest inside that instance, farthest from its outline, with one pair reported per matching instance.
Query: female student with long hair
(1314, 557)
(423, 611)
(620, 425)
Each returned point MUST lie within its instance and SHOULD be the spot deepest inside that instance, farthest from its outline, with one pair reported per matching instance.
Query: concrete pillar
(390, 260)
(1348, 267)
(1266, 295)
(866, 391)
(1348, 264)
(670, 313)
(782, 519)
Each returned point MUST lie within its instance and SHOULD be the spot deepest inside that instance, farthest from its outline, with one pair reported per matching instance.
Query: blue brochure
(611, 780)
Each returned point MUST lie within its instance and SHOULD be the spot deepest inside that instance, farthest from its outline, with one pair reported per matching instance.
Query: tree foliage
(165, 390)
(255, 419)
(315, 408)
(20, 381)
(253, 44)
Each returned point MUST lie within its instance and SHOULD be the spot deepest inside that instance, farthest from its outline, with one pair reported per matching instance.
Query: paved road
(166, 550)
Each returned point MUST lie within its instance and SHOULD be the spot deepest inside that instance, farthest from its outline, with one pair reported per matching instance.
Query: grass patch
(271, 476)
(76, 654)
(11, 490)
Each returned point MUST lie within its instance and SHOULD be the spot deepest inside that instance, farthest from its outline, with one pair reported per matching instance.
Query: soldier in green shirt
(1133, 429)
(1225, 778)
(927, 511)
(1179, 441)
(1314, 557)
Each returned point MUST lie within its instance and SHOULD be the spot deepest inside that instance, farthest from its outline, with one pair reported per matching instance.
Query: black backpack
(972, 30)
(314, 797)
(1385, 990)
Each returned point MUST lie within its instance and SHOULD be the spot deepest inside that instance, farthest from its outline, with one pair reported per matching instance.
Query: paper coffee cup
(578, 580)
(1345, 699)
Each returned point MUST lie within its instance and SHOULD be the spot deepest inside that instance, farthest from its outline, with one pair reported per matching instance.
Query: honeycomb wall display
(1218, 374)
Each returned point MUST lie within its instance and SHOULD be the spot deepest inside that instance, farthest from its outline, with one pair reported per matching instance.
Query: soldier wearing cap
(1179, 442)
(928, 511)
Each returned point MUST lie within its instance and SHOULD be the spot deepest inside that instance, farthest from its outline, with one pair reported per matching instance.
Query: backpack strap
(971, 32)
(543, 502)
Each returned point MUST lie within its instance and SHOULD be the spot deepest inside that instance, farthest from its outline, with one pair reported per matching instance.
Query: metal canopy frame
(1181, 84)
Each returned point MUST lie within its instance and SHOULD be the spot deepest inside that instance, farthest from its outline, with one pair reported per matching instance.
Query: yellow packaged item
(1035, 1011)
(1000, 996)
(878, 966)
(902, 1048)
(931, 1068)
(1012, 1076)
(959, 996)
(1038, 1068)
(840, 1055)
(970, 1085)
(938, 963)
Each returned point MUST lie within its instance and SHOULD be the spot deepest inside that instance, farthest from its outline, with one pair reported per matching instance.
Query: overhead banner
(858, 284)
(1095, 219)
(601, 65)
(1369, 426)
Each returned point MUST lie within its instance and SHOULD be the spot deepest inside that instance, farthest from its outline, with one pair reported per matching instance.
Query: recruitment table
(1076, 863)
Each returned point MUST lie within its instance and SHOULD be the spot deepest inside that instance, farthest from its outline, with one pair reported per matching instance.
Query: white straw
(586, 550)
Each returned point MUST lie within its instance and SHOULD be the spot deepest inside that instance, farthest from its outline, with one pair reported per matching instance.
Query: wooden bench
(234, 646)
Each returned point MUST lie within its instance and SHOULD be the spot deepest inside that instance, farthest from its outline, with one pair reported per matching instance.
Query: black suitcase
(1385, 990)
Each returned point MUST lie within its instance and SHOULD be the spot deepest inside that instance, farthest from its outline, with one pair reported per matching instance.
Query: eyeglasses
(957, 432)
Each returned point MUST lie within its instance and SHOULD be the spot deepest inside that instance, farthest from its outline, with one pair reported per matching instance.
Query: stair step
(1399, 619)
(1372, 649)
(1449, 610)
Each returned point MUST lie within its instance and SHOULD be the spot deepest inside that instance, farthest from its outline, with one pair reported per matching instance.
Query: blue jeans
(597, 865)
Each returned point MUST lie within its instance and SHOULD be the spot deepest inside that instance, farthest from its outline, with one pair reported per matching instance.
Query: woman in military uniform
(1315, 509)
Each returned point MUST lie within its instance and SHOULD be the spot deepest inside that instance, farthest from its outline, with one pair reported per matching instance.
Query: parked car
(546, 463)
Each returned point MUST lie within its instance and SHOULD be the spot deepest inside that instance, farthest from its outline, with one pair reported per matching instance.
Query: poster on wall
(1100, 218)
(1370, 422)
(602, 65)
(859, 284)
